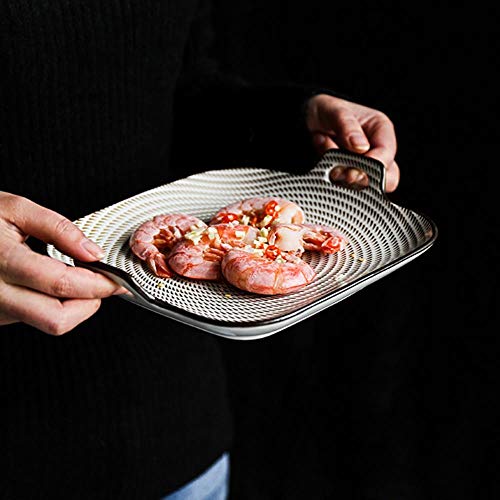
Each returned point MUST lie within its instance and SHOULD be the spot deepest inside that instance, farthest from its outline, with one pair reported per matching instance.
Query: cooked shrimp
(197, 261)
(267, 272)
(152, 240)
(260, 212)
(288, 237)
(198, 255)
(323, 239)
(296, 238)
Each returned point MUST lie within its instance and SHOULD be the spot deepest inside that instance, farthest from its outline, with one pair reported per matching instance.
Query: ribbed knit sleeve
(94, 94)
(87, 97)
(128, 404)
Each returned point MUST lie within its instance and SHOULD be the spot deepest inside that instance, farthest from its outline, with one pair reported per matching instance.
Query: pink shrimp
(264, 275)
(297, 238)
(261, 212)
(199, 254)
(324, 239)
(153, 239)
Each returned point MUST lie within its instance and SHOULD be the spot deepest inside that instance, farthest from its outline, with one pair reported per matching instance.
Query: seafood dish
(255, 244)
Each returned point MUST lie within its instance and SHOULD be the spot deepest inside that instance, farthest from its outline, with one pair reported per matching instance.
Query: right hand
(36, 289)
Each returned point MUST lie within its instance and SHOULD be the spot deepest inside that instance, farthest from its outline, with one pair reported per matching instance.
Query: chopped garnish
(228, 217)
(212, 233)
(272, 252)
(353, 255)
(195, 235)
(266, 221)
(271, 208)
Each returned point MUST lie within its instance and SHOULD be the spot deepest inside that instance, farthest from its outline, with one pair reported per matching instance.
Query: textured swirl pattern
(379, 232)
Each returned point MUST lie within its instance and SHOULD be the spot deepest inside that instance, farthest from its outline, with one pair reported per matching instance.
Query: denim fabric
(213, 484)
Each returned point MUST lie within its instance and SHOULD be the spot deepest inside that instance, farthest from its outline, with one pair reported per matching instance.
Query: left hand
(335, 122)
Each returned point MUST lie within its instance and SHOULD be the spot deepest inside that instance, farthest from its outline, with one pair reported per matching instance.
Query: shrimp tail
(158, 264)
(323, 239)
(333, 244)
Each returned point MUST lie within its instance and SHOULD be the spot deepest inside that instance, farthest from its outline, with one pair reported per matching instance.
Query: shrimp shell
(288, 237)
(297, 238)
(196, 261)
(324, 239)
(153, 239)
(261, 275)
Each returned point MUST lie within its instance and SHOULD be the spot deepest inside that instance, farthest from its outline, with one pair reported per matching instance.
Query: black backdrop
(389, 394)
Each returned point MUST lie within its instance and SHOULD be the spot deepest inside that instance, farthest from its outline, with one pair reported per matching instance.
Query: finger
(349, 177)
(382, 140)
(45, 313)
(348, 130)
(40, 272)
(53, 228)
(392, 177)
(7, 320)
(323, 143)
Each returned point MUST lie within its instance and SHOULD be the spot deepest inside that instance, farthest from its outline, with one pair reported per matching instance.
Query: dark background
(390, 394)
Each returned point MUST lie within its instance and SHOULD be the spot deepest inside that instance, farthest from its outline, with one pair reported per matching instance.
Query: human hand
(335, 122)
(36, 289)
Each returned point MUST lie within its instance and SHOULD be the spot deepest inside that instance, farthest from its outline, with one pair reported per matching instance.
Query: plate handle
(117, 275)
(337, 164)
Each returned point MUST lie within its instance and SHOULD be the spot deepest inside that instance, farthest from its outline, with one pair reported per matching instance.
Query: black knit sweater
(101, 100)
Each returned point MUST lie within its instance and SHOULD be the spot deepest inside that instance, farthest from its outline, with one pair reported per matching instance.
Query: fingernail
(361, 176)
(121, 291)
(337, 173)
(358, 142)
(93, 249)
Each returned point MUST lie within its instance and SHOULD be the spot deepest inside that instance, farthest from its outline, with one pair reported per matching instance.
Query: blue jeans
(213, 484)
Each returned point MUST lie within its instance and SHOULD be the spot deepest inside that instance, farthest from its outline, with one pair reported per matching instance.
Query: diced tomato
(228, 217)
(272, 252)
(270, 208)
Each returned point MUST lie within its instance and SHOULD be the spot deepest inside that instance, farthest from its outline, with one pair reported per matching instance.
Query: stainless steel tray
(382, 237)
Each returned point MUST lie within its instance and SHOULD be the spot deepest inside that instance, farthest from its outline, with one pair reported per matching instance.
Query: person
(101, 101)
